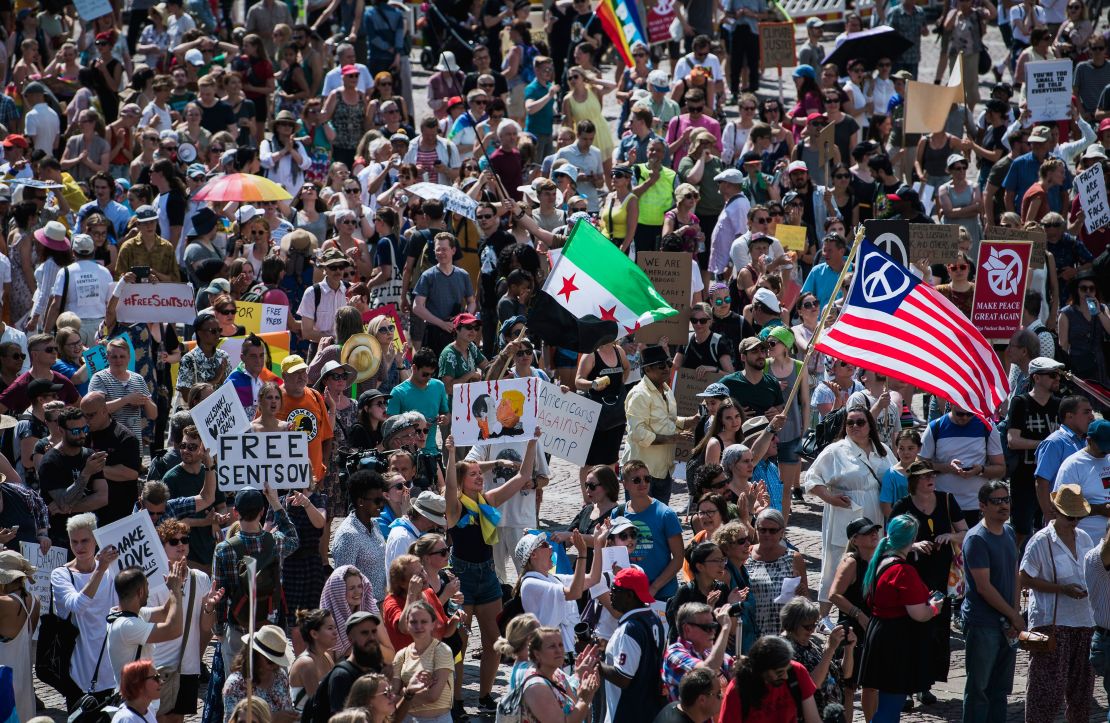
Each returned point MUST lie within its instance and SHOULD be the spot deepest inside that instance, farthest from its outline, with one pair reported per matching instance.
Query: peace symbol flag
(896, 324)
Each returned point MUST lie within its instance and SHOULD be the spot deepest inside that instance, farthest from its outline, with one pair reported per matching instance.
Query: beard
(369, 658)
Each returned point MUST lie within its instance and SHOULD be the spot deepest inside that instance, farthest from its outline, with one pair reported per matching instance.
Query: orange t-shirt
(309, 414)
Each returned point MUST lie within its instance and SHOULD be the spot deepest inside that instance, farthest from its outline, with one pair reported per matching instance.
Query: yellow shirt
(650, 413)
(437, 656)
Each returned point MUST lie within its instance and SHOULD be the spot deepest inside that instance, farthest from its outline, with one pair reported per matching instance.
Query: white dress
(16, 653)
(845, 469)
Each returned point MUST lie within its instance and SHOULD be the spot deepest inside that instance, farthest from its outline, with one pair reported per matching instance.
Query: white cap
(768, 299)
(1040, 365)
(659, 79)
(815, 23)
(193, 56)
(730, 175)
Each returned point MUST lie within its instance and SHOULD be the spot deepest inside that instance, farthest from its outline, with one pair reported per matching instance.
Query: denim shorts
(788, 451)
(477, 581)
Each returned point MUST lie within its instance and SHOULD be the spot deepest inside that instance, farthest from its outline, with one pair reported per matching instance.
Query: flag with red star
(593, 295)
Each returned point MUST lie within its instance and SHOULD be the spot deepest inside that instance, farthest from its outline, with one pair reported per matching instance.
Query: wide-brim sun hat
(363, 353)
(270, 642)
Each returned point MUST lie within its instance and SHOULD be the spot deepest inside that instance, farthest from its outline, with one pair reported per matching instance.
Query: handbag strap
(188, 618)
(1056, 602)
(96, 670)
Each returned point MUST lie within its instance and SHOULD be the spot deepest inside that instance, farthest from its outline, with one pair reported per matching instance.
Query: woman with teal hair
(900, 608)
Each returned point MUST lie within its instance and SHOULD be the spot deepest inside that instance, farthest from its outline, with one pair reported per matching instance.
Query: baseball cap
(797, 166)
(1040, 134)
(38, 387)
(634, 580)
(463, 319)
(659, 80)
(293, 364)
(1099, 433)
(751, 343)
(14, 140)
(815, 23)
(904, 193)
(620, 524)
(193, 56)
(768, 299)
(370, 395)
(862, 526)
(360, 617)
(805, 71)
(83, 245)
(714, 390)
(903, 75)
(249, 500)
(146, 213)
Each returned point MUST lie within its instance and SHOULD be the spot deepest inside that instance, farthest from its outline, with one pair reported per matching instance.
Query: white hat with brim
(270, 642)
(432, 506)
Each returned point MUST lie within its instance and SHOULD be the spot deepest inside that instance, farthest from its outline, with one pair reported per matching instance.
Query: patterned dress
(337, 495)
(22, 297)
(303, 573)
(766, 584)
(828, 690)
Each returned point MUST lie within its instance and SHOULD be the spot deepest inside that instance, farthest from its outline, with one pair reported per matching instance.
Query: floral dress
(766, 584)
(337, 495)
(22, 296)
(303, 574)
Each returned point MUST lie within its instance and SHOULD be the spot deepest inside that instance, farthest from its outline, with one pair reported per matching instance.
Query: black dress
(854, 594)
(890, 663)
(610, 425)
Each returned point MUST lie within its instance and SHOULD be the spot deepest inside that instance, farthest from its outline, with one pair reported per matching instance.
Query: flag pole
(825, 316)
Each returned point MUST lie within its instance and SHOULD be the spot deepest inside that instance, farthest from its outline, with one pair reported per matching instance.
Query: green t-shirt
(454, 364)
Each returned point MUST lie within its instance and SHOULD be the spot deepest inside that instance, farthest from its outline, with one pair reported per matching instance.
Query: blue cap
(249, 500)
(1099, 433)
(716, 389)
(805, 71)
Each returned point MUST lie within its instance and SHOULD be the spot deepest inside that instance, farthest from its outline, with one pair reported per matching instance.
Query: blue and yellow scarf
(483, 514)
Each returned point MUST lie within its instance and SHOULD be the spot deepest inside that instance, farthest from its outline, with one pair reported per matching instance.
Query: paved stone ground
(562, 499)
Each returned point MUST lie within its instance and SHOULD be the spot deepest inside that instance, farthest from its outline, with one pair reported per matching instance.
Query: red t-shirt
(393, 606)
(777, 705)
(899, 585)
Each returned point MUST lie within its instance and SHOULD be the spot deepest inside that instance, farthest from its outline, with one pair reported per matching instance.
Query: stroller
(441, 28)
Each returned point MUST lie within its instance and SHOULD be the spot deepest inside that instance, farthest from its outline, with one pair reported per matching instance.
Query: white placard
(1091, 185)
(257, 458)
(173, 303)
(92, 9)
(137, 542)
(1048, 87)
(615, 555)
(275, 317)
(568, 422)
(501, 412)
(44, 564)
(221, 413)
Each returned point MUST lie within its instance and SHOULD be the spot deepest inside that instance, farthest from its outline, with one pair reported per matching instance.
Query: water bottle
(1005, 628)
(1092, 306)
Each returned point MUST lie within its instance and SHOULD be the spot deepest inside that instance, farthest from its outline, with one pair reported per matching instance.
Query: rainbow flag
(621, 22)
(277, 341)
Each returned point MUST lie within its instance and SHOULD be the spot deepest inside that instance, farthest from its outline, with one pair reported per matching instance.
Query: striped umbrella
(244, 187)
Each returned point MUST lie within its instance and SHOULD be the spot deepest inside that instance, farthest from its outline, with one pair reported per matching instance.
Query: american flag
(895, 324)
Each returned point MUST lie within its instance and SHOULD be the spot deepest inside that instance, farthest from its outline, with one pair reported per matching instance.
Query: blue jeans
(661, 488)
(990, 664)
(1100, 658)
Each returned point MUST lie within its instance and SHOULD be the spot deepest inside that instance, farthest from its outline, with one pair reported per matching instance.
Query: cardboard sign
(257, 458)
(660, 15)
(44, 564)
(96, 358)
(669, 272)
(500, 412)
(568, 422)
(90, 10)
(686, 386)
(173, 303)
(928, 105)
(1001, 272)
(826, 141)
(221, 413)
(1048, 87)
(792, 238)
(1091, 184)
(258, 318)
(892, 238)
(137, 542)
(937, 242)
(776, 45)
(1004, 233)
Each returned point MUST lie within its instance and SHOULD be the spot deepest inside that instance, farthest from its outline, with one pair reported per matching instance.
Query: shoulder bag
(1043, 642)
(171, 674)
(57, 639)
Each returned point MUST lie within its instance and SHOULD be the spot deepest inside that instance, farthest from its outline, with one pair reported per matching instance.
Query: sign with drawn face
(497, 412)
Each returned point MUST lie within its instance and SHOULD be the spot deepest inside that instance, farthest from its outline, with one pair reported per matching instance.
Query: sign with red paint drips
(499, 412)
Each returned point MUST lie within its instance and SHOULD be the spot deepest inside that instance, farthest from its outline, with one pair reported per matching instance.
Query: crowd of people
(355, 599)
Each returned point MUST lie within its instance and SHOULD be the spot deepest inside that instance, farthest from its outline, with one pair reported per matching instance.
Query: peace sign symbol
(882, 279)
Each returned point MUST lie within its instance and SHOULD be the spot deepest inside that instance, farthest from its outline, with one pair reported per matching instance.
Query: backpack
(527, 61)
(318, 292)
(511, 705)
(823, 433)
(317, 707)
(267, 582)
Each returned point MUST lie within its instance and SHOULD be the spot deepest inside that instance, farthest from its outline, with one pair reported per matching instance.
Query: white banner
(92, 9)
(1091, 184)
(44, 565)
(256, 458)
(1048, 85)
(568, 422)
(137, 542)
(221, 413)
(500, 412)
(173, 303)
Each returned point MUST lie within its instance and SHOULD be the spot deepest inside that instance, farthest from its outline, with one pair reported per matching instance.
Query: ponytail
(900, 533)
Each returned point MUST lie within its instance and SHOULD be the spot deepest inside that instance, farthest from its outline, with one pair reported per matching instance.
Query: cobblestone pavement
(562, 500)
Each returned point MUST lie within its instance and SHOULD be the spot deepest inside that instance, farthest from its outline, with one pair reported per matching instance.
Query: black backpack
(267, 582)
(823, 433)
(317, 708)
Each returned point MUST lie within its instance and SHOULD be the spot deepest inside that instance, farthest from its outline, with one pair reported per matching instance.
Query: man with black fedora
(654, 427)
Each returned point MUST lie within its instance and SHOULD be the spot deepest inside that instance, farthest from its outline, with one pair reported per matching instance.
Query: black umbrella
(867, 47)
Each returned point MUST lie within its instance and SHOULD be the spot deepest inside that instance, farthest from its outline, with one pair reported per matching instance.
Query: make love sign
(137, 542)
(172, 303)
(255, 459)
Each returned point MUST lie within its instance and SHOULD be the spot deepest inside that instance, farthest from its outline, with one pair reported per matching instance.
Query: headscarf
(732, 455)
(334, 600)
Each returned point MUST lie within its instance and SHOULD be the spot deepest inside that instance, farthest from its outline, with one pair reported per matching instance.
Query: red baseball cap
(465, 319)
(349, 70)
(815, 116)
(634, 580)
(1104, 125)
(15, 141)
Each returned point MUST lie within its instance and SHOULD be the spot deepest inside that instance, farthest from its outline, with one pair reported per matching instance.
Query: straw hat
(14, 566)
(364, 353)
(269, 640)
(1069, 502)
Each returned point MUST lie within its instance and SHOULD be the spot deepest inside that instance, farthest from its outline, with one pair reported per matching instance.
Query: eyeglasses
(999, 500)
(190, 446)
(699, 320)
(348, 222)
(722, 300)
(175, 541)
(156, 676)
(747, 541)
(77, 430)
(855, 422)
(768, 530)
(842, 176)
(400, 485)
(443, 551)
(709, 513)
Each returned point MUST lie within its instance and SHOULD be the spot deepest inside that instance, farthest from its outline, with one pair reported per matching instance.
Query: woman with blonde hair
(514, 645)
(681, 219)
(373, 700)
(87, 152)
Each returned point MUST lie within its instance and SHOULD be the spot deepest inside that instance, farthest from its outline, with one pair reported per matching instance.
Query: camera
(734, 609)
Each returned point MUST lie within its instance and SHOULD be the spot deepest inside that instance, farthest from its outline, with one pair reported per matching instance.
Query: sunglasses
(351, 190)
(591, 486)
(175, 541)
(855, 422)
(523, 353)
(707, 627)
(1087, 287)
(999, 500)
(699, 320)
(443, 551)
(810, 305)
(17, 355)
(625, 535)
(748, 107)
(387, 330)
(400, 485)
(765, 219)
(484, 216)
(47, 349)
(958, 267)
(768, 530)
(190, 446)
(641, 480)
(349, 222)
(695, 108)
(471, 327)
(959, 167)
(78, 430)
(842, 176)
(423, 432)
(722, 300)
(962, 414)
(227, 311)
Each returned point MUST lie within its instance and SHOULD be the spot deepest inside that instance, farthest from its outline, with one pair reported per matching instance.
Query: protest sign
(256, 318)
(257, 458)
(172, 303)
(568, 422)
(826, 141)
(1005, 233)
(496, 412)
(136, 540)
(792, 238)
(669, 272)
(999, 294)
(44, 564)
(776, 45)
(1048, 87)
(96, 358)
(686, 386)
(660, 15)
(934, 241)
(1092, 198)
(892, 238)
(221, 413)
(89, 10)
(928, 105)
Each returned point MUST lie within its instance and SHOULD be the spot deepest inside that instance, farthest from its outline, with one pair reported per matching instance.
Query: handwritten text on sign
(1092, 198)
(669, 272)
(568, 422)
(1048, 89)
(138, 545)
(261, 318)
(279, 459)
(173, 303)
(776, 45)
(999, 295)
(44, 563)
(221, 413)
